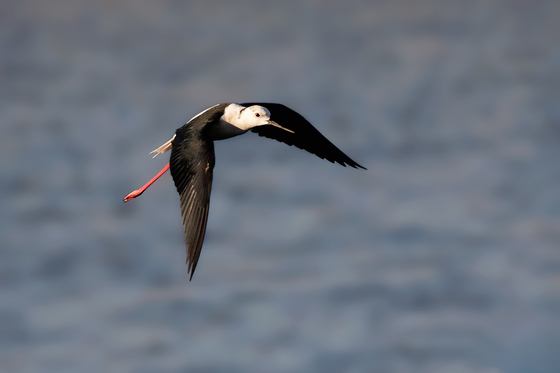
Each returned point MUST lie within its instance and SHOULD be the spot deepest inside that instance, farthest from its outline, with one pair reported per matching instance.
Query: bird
(192, 157)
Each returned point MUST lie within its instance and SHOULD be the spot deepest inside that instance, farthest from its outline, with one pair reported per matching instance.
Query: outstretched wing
(304, 135)
(191, 168)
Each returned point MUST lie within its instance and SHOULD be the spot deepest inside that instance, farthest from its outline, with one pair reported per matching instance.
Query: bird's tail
(164, 148)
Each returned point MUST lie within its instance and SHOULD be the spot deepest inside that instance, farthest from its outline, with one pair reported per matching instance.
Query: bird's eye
(257, 115)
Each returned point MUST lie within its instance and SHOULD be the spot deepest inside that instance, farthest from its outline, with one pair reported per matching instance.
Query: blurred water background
(443, 257)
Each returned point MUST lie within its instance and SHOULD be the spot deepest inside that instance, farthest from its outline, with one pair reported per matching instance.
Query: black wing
(191, 166)
(305, 136)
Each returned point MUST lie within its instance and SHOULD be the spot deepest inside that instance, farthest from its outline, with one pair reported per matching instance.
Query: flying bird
(192, 156)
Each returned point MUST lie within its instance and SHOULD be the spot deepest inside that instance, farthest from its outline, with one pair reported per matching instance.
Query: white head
(254, 116)
(246, 118)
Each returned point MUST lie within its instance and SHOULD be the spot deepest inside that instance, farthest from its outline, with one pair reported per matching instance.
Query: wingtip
(354, 165)
(190, 269)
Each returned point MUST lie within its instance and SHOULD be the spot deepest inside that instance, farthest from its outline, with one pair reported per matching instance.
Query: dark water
(443, 257)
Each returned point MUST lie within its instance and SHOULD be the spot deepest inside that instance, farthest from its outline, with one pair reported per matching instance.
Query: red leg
(137, 192)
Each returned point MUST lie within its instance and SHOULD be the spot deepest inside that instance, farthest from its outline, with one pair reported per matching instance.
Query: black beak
(273, 123)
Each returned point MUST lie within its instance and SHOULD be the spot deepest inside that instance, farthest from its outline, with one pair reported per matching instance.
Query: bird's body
(192, 155)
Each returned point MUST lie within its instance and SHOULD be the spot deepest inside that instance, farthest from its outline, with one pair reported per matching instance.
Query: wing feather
(304, 135)
(192, 171)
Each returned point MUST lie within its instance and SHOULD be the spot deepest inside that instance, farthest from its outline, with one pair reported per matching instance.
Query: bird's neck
(222, 130)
